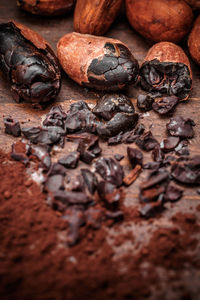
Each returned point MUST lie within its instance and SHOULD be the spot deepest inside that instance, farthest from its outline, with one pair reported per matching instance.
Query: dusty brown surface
(170, 281)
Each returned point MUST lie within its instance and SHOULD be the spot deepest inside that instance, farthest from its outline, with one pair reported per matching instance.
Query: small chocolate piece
(135, 156)
(154, 178)
(70, 198)
(114, 140)
(165, 105)
(29, 64)
(109, 105)
(110, 170)
(151, 165)
(90, 179)
(173, 192)
(169, 144)
(12, 127)
(88, 147)
(149, 210)
(181, 127)
(145, 102)
(109, 194)
(54, 183)
(118, 157)
(70, 161)
(57, 169)
(56, 117)
(152, 193)
(146, 141)
(139, 129)
(187, 171)
(42, 153)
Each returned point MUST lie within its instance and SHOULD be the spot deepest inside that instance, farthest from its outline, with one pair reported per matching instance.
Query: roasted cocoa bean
(194, 41)
(94, 16)
(29, 64)
(97, 62)
(160, 20)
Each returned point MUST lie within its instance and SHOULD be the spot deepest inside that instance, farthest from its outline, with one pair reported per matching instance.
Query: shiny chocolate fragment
(183, 128)
(169, 144)
(145, 102)
(88, 147)
(109, 194)
(11, 126)
(165, 105)
(90, 180)
(56, 117)
(71, 160)
(146, 141)
(135, 156)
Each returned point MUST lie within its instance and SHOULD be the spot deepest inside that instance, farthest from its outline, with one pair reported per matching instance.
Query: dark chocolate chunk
(146, 141)
(114, 140)
(187, 171)
(149, 210)
(110, 170)
(42, 153)
(173, 192)
(152, 193)
(154, 178)
(169, 144)
(12, 127)
(181, 127)
(121, 122)
(135, 156)
(70, 198)
(57, 168)
(71, 160)
(54, 183)
(165, 105)
(157, 154)
(90, 180)
(109, 105)
(139, 129)
(182, 148)
(145, 102)
(151, 165)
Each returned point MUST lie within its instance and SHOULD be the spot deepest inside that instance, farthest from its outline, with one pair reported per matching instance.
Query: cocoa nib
(169, 144)
(145, 102)
(54, 183)
(149, 210)
(165, 105)
(88, 147)
(42, 153)
(146, 141)
(182, 148)
(56, 168)
(187, 171)
(56, 117)
(109, 194)
(109, 105)
(121, 122)
(173, 192)
(12, 127)
(157, 154)
(110, 170)
(32, 70)
(90, 180)
(169, 78)
(181, 127)
(20, 152)
(49, 135)
(156, 177)
(135, 156)
(71, 160)
(93, 217)
(80, 118)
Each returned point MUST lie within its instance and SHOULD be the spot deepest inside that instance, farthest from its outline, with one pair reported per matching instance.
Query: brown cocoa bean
(46, 7)
(160, 20)
(97, 62)
(194, 41)
(166, 71)
(94, 16)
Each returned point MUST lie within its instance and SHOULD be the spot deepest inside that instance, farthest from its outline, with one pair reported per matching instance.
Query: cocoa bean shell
(160, 20)
(46, 7)
(194, 41)
(95, 17)
(97, 62)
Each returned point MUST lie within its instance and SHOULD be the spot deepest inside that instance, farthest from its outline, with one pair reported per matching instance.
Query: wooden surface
(54, 28)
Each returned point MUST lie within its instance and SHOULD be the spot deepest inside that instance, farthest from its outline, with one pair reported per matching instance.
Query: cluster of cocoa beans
(100, 62)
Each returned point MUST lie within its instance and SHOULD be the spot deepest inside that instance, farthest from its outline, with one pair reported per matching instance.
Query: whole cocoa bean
(94, 16)
(160, 20)
(194, 41)
(29, 64)
(97, 62)
(166, 71)
(46, 7)
(195, 4)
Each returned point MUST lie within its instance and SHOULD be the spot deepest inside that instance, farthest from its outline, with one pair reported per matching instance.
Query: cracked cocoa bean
(28, 63)
(166, 71)
(97, 62)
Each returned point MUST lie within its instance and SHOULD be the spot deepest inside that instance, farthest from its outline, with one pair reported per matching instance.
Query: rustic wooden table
(54, 28)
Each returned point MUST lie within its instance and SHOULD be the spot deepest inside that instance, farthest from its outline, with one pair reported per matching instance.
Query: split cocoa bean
(29, 64)
(97, 62)
(166, 71)
(160, 20)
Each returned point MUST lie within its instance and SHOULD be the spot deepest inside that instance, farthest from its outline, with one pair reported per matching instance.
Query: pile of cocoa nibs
(95, 194)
